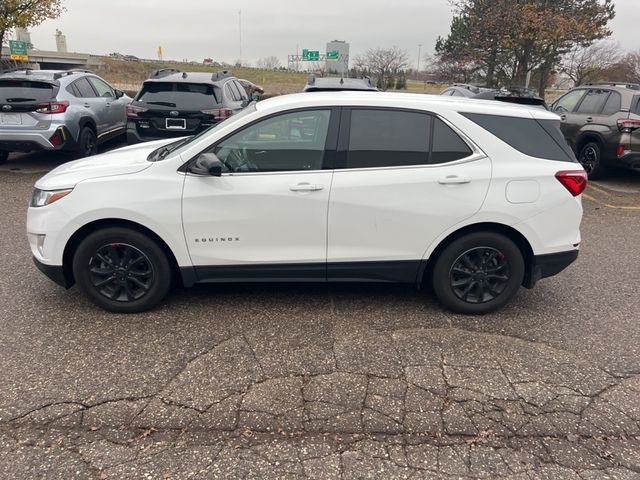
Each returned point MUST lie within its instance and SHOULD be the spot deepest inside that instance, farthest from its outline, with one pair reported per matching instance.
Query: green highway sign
(310, 55)
(333, 55)
(18, 50)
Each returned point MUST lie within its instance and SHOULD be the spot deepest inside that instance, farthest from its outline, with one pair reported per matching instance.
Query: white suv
(474, 198)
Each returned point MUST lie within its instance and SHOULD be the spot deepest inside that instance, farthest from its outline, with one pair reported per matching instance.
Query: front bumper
(544, 266)
(55, 273)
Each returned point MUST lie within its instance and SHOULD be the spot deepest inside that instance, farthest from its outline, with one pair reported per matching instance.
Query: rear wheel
(4, 156)
(87, 143)
(591, 159)
(478, 273)
(122, 270)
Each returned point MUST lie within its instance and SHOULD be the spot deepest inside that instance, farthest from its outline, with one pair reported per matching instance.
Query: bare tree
(588, 64)
(386, 65)
(268, 63)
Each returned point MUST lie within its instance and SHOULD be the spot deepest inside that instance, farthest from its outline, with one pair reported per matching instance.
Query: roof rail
(629, 85)
(221, 74)
(57, 76)
(163, 72)
(27, 71)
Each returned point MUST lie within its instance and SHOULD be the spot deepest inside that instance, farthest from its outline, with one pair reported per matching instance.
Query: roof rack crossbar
(221, 74)
(59, 75)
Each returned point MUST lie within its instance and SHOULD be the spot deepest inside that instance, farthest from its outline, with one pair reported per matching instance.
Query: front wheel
(122, 270)
(478, 273)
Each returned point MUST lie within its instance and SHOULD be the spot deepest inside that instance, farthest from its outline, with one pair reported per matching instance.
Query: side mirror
(245, 102)
(119, 93)
(207, 164)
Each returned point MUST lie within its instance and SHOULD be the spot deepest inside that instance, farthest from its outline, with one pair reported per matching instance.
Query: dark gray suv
(58, 110)
(602, 125)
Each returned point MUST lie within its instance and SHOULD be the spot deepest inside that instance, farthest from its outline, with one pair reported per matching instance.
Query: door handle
(86, 105)
(454, 180)
(306, 187)
(589, 119)
(563, 117)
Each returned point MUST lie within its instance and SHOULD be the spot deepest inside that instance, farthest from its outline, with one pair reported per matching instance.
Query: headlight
(41, 198)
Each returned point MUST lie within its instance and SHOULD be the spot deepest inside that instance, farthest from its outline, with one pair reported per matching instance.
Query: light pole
(240, 30)
(419, 50)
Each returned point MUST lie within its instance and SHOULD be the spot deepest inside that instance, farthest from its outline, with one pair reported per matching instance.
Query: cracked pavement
(323, 381)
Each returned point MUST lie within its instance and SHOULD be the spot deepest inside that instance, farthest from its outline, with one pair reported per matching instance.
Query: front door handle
(563, 117)
(306, 187)
(454, 180)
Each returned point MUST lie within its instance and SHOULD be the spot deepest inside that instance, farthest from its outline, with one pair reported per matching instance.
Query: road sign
(310, 55)
(333, 56)
(18, 50)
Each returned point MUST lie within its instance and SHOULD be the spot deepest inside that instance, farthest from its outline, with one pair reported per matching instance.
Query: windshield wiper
(160, 153)
(165, 104)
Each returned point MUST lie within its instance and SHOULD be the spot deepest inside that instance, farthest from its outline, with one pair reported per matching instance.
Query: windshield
(185, 96)
(162, 152)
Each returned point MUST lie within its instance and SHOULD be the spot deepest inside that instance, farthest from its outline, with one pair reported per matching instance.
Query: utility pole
(240, 30)
(419, 50)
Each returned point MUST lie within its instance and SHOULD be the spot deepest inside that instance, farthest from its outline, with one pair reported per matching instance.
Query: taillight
(573, 180)
(621, 151)
(134, 110)
(218, 113)
(52, 108)
(626, 125)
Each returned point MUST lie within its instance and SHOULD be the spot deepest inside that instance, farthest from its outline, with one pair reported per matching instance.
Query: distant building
(23, 35)
(61, 42)
(341, 65)
(208, 61)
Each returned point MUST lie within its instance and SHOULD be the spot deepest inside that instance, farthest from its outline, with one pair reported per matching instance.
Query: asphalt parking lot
(325, 381)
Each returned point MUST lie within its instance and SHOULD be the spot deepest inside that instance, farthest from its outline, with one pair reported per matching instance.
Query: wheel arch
(424, 278)
(87, 122)
(80, 234)
(587, 137)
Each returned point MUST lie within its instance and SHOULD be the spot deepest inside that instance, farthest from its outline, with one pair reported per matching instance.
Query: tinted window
(71, 88)
(569, 101)
(388, 138)
(447, 144)
(289, 142)
(187, 96)
(16, 91)
(84, 88)
(526, 135)
(232, 92)
(613, 104)
(593, 101)
(241, 91)
(102, 88)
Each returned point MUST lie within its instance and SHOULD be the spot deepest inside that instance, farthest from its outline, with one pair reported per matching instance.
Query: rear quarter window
(536, 138)
(17, 91)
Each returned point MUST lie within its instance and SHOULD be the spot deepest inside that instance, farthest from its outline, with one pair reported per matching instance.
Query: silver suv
(58, 110)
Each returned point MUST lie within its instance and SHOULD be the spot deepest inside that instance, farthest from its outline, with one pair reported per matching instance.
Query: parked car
(253, 90)
(518, 95)
(70, 110)
(176, 104)
(329, 84)
(471, 197)
(602, 125)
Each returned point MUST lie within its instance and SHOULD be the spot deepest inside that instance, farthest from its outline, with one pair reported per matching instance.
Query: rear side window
(187, 96)
(85, 90)
(388, 138)
(613, 104)
(447, 145)
(536, 138)
(593, 101)
(18, 91)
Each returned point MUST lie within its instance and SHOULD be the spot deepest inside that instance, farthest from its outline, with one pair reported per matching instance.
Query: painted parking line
(615, 207)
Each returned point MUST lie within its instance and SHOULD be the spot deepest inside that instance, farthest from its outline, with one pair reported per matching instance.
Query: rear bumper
(544, 266)
(630, 160)
(54, 272)
(29, 141)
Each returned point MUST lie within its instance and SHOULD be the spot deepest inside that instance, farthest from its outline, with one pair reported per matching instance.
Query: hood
(122, 161)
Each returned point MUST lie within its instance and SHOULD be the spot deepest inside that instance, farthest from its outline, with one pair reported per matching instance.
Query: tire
(122, 270)
(4, 156)
(590, 157)
(478, 273)
(87, 143)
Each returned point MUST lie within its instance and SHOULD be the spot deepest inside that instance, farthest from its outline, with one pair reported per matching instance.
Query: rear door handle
(86, 105)
(454, 180)
(306, 187)
(589, 119)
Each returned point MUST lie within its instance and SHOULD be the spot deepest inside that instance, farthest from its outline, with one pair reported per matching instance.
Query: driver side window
(569, 101)
(289, 142)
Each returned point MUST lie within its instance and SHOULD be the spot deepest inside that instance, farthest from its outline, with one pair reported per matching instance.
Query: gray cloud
(196, 29)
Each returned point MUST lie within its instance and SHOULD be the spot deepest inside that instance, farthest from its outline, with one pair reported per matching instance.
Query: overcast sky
(195, 29)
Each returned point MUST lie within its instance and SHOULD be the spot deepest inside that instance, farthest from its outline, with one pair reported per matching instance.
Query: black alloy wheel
(591, 160)
(478, 273)
(122, 270)
(88, 143)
